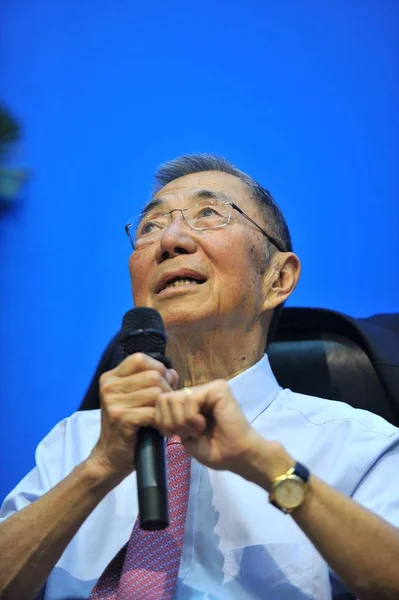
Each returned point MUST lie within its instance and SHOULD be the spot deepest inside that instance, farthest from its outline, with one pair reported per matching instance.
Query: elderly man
(273, 495)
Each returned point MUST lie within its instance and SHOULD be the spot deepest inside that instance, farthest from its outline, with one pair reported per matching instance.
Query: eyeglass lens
(206, 214)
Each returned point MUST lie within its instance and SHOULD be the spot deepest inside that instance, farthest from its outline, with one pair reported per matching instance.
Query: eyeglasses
(208, 214)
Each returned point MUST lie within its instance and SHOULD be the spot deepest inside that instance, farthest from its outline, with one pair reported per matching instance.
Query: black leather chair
(330, 355)
(321, 353)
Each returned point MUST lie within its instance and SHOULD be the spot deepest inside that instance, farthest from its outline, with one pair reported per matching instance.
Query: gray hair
(197, 163)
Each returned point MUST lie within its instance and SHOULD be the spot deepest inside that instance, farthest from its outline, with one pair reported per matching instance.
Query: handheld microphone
(143, 331)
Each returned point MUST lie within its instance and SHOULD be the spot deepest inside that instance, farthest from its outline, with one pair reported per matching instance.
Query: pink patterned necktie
(146, 567)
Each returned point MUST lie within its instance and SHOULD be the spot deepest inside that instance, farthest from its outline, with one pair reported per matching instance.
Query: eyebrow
(202, 194)
(153, 204)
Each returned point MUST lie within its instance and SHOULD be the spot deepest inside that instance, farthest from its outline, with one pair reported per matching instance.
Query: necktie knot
(175, 439)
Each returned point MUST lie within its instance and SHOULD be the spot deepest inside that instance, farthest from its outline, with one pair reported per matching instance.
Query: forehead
(222, 184)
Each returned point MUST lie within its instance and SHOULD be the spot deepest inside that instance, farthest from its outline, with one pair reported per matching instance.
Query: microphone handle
(151, 472)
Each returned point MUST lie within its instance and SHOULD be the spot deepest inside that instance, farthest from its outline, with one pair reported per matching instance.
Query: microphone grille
(143, 331)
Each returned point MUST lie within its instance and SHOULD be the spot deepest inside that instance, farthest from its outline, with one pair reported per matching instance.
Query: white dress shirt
(236, 546)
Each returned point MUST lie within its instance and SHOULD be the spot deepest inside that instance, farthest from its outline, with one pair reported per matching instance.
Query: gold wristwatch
(289, 490)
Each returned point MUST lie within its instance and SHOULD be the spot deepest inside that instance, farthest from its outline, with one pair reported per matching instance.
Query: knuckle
(106, 384)
(137, 360)
(155, 378)
(115, 413)
(109, 387)
(104, 377)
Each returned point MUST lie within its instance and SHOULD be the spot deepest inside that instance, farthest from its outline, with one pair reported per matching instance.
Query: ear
(281, 279)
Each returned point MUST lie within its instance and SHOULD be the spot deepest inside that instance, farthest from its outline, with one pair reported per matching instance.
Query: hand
(128, 396)
(211, 425)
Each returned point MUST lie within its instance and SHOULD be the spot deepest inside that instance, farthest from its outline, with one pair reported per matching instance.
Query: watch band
(301, 471)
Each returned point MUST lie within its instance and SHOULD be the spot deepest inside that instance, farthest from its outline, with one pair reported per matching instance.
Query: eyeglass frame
(271, 238)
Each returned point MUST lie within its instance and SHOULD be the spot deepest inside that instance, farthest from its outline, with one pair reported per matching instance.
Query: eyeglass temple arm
(269, 237)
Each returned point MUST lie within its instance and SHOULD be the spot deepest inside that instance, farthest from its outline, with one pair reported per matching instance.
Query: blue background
(301, 94)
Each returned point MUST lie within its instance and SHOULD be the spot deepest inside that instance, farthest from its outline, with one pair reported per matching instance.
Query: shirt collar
(255, 388)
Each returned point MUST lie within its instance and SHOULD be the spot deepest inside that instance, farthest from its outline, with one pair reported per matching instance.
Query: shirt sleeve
(43, 476)
(378, 491)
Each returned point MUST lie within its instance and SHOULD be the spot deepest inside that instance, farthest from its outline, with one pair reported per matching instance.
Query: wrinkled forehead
(198, 186)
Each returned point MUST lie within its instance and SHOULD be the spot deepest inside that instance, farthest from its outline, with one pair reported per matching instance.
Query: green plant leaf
(10, 130)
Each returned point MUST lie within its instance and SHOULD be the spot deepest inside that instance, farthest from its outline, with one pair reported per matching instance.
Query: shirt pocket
(278, 571)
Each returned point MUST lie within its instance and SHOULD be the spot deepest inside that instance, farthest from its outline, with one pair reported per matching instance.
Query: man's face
(228, 263)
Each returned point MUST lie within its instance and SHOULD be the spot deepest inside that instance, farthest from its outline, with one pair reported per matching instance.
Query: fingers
(129, 394)
(114, 384)
(129, 420)
(172, 378)
(193, 411)
(145, 397)
(179, 414)
(137, 362)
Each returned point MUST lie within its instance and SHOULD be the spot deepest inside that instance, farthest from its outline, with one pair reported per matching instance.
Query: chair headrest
(321, 353)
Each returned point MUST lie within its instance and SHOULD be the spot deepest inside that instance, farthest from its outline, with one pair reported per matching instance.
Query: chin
(180, 321)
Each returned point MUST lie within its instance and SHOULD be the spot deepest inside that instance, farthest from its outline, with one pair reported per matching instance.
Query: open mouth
(178, 282)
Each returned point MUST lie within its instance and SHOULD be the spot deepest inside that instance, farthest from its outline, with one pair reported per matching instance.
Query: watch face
(290, 493)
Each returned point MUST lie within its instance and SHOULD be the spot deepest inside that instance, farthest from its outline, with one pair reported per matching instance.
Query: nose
(176, 238)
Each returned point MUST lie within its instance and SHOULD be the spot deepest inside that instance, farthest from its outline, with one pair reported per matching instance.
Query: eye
(207, 211)
(148, 227)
